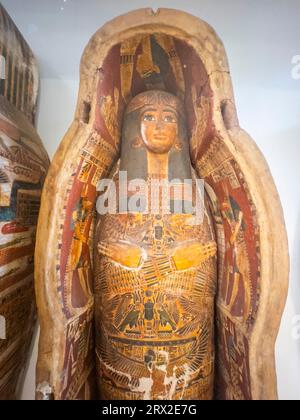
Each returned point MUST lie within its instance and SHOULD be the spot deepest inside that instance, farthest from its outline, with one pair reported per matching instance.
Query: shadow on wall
(295, 286)
(27, 384)
(56, 110)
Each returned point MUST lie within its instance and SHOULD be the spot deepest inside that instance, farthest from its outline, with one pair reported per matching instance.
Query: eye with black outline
(149, 117)
(169, 119)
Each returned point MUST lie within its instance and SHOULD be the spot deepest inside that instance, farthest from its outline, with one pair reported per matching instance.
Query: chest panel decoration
(23, 166)
(140, 305)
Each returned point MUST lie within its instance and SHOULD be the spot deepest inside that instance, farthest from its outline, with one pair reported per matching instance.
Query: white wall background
(261, 38)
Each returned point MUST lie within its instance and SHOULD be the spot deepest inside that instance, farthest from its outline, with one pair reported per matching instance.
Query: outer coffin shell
(23, 166)
(130, 54)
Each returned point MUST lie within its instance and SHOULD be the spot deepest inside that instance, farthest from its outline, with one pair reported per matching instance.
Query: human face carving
(159, 127)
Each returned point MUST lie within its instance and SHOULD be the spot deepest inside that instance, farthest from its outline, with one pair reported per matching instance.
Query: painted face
(159, 128)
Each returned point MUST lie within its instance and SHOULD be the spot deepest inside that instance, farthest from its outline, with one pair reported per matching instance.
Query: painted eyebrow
(149, 110)
(170, 110)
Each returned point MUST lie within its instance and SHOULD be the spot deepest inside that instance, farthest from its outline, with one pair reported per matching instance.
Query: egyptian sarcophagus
(151, 305)
(23, 166)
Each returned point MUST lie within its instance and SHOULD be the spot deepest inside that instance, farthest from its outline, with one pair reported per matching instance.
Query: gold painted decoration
(179, 310)
(155, 277)
(23, 168)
